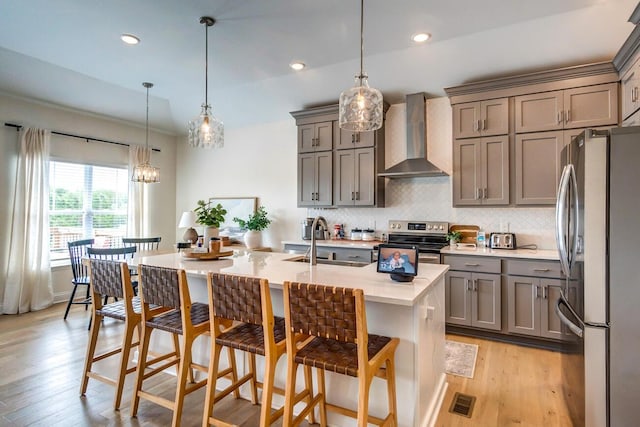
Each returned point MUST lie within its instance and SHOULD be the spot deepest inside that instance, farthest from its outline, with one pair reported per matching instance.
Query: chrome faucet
(313, 256)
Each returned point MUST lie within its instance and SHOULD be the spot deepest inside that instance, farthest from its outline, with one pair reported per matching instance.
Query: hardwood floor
(41, 358)
(513, 385)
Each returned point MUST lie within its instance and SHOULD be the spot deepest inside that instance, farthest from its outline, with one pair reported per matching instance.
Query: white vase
(210, 232)
(253, 239)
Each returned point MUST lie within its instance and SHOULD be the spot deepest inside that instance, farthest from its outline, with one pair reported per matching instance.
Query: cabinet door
(364, 174)
(538, 167)
(324, 136)
(629, 90)
(523, 305)
(356, 255)
(343, 190)
(495, 117)
(591, 106)
(350, 139)
(457, 286)
(494, 157)
(486, 301)
(539, 112)
(466, 120)
(467, 174)
(306, 179)
(324, 178)
(306, 138)
(550, 325)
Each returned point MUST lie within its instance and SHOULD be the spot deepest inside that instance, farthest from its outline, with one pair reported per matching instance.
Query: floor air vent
(462, 404)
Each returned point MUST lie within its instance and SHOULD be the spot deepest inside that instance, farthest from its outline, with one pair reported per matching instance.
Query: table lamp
(188, 221)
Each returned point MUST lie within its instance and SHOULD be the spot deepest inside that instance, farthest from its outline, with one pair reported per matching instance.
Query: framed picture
(237, 207)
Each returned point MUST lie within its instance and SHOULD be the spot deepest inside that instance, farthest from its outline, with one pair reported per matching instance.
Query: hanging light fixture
(361, 106)
(144, 172)
(206, 130)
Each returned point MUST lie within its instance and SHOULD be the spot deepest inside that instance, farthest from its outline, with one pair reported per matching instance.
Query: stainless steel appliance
(307, 224)
(596, 219)
(502, 241)
(428, 236)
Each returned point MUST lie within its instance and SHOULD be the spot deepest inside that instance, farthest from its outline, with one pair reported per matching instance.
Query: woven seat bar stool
(78, 250)
(243, 320)
(167, 306)
(111, 278)
(335, 318)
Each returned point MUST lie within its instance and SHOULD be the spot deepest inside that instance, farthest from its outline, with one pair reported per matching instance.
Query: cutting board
(206, 255)
(469, 232)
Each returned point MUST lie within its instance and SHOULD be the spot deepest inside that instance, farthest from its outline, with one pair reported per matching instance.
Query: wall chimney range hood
(416, 164)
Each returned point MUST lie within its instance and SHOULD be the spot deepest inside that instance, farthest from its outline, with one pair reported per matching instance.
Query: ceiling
(68, 52)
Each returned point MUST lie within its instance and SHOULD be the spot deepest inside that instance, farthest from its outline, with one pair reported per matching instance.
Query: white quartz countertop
(546, 254)
(342, 243)
(377, 287)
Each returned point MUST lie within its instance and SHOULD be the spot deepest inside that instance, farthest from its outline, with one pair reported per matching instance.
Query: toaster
(502, 241)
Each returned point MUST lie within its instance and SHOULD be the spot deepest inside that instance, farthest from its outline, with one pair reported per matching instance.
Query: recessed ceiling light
(297, 65)
(129, 39)
(420, 37)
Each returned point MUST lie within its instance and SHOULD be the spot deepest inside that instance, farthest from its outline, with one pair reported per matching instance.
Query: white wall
(161, 197)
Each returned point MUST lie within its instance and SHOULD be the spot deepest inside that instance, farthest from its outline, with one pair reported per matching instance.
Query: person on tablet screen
(397, 262)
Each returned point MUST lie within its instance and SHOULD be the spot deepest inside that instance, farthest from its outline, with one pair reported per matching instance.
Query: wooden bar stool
(167, 306)
(111, 279)
(335, 319)
(243, 319)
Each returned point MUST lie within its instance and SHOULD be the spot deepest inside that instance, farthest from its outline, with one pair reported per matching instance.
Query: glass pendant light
(361, 106)
(206, 130)
(144, 172)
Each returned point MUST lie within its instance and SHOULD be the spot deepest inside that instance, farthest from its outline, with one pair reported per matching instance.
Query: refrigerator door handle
(577, 330)
(574, 238)
(561, 214)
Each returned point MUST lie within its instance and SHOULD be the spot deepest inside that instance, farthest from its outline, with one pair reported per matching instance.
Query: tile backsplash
(430, 199)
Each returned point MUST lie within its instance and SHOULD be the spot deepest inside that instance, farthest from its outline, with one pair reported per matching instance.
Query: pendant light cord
(146, 138)
(361, 40)
(206, 64)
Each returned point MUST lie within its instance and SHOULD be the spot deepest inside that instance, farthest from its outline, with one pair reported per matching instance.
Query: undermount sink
(329, 261)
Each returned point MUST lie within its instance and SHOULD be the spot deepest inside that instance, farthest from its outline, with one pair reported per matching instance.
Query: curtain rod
(86, 138)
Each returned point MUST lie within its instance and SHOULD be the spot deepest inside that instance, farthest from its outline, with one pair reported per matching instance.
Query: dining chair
(167, 306)
(326, 328)
(113, 254)
(142, 244)
(77, 251)
(111, 279)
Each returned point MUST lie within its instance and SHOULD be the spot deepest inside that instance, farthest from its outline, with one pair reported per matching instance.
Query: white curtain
(28, 282)
(137, 192)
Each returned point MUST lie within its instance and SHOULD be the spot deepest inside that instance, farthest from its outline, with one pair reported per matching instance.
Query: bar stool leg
(391, 390)
(322, 391)
(308, 381)
(254, 385)
(231, 357)
(127, 341)
(184, 371)
(290, 394)
(212, 378)
(363, 400)
(142, 364)
(91, 351)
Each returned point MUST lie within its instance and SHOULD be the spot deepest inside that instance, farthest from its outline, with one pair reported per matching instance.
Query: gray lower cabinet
(315, 179)
(481, 171)
(533, 288)
(334, 252)
(473, 297)
(354, 177)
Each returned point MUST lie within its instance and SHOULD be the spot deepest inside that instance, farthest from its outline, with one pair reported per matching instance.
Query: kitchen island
(413, 312)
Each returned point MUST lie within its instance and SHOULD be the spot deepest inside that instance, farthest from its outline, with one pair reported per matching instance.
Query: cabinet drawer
(473, 263)
(357, 255)
(533, 268)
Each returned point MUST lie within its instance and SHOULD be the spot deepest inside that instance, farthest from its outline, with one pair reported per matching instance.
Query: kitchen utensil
(502, 241)
(469, 232)
(368, 234)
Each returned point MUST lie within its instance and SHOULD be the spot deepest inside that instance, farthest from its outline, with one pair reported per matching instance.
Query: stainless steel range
(428, 236)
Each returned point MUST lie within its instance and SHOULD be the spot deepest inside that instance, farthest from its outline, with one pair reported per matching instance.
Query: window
(86, 201)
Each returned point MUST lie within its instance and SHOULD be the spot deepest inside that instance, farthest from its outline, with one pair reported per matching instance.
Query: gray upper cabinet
(537, 164)
(482, 118)
(354, 177)
(481, 171)
(630, 90)
(315, 179)
(315, 137)
(350, 139)
(579, 107)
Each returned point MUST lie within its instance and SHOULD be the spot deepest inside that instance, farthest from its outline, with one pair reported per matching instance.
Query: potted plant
(210, 216)
(254, 225)
(454, 237)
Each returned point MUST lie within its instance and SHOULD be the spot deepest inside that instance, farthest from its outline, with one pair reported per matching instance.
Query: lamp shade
(188, 219)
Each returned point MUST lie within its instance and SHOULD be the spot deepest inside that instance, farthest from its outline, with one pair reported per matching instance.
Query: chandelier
(144, 172)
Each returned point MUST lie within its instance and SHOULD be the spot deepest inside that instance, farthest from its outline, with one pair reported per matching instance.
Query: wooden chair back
(112, 254)
(77, 251)
(142, 243)
(161, 286)
(106, 278)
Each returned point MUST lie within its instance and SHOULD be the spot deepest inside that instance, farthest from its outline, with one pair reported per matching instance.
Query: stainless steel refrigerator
(597, 227)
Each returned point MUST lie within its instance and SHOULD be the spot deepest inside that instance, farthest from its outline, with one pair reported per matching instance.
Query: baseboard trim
(540, 343)
(436, 403)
